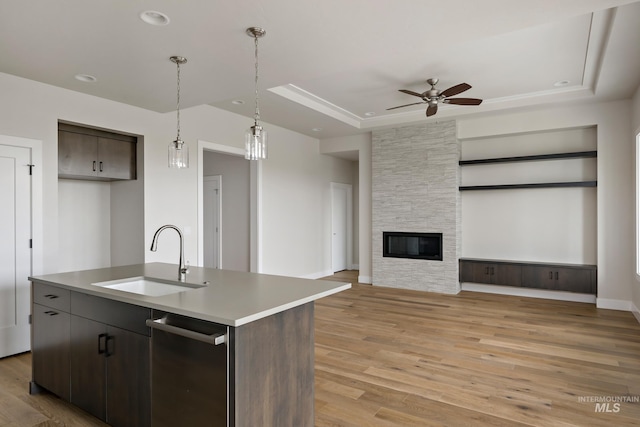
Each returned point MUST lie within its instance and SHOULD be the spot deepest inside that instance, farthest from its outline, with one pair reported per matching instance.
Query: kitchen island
(135, 347)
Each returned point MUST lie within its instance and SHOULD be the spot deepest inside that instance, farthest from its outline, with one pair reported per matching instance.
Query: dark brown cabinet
(491, 273)
(559, 278)
(110, 351)
(50, 338)
(109, 372)
(94, 353)
(556, 277)
(91, 154)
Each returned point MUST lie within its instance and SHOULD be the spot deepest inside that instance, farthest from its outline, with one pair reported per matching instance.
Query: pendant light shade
(256, 137)
(255, 143)
(178, 150)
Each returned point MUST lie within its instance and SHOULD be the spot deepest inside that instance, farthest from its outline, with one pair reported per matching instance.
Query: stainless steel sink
(147, 286)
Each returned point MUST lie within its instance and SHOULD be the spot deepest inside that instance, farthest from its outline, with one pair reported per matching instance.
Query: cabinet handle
(486, 270)
(94, 165)
(108, 352)
(551, 275)
(492, 271)
(160, 324)
(100, 166)
(102, 344)
(51, 296)
(51, 313)
(556, 275)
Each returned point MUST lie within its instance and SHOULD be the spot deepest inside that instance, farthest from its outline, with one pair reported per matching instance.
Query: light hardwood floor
(389, 357)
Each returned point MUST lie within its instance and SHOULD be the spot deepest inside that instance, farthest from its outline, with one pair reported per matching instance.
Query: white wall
(544, 224)
(615, 206)
(296, 214)
(85, 224)
(295, 177)
(635, 118)
(235, 207)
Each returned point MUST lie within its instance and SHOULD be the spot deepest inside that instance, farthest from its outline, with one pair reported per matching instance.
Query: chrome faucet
(182, 269)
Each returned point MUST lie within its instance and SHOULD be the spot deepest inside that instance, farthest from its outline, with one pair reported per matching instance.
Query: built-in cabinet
(85, 153)
(51, 338)
(556, 277)
(110, 349)
(95, 356)
(98, 353)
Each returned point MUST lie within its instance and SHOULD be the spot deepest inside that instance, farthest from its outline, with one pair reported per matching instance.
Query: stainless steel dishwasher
(189, 384)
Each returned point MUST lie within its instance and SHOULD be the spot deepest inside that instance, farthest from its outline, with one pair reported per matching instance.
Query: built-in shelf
(574, 155)
(539, 185)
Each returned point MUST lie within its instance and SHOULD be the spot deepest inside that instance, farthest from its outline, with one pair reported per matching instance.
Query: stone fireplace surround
(415, 179)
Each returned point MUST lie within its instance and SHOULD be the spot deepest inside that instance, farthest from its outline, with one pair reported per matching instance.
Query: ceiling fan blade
(406, 105)
(432, 109)
(463, 101)
(410, 92)
(454, 90)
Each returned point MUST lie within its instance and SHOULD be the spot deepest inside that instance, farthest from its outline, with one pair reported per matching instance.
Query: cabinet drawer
(115, 313)
(51, 296)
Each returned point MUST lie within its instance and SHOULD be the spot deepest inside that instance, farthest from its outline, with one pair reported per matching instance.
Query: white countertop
(231, 298)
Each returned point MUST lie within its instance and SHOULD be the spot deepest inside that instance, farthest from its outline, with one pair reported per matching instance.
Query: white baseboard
(528, 292)
(614, 304)
(318, 275)
(365, 279)
(635, 311)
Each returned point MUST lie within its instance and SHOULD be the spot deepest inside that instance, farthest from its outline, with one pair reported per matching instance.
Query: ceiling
(329, 67)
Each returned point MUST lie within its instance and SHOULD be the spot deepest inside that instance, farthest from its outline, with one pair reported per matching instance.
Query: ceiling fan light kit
(433, 97)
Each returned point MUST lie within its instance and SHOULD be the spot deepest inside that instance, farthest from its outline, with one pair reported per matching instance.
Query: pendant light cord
(178, 102)
(257, 114)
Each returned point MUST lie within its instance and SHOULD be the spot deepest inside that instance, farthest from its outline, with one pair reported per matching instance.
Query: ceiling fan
(433, 97)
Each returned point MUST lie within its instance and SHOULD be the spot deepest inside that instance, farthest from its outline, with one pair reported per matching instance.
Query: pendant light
(178, 150)
(256, 136)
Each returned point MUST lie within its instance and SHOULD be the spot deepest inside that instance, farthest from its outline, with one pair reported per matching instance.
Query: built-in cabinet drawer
(555, 277)
(51, 296)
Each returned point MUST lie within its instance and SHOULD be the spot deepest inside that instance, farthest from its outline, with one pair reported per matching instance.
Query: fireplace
(398, 244)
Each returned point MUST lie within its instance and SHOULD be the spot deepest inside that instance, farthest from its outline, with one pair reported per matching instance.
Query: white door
(15, 252)
(212, 189)
(340, 226)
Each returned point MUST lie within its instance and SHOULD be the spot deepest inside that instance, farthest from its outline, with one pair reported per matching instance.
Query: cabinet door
(476, 272)
(116, 159)
(50, 349)
(88, 367)
(573, 280)
(540, 277)
(128, 379)
(77, 154)
(507, 274)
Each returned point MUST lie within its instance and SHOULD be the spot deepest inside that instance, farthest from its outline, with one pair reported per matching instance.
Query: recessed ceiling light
(237, 102)
(316, 129)
(561, 83)
(153, 17)
(86, 78)
(370, 113)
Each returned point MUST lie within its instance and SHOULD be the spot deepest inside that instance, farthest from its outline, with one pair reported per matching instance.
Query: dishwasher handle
(160, 324)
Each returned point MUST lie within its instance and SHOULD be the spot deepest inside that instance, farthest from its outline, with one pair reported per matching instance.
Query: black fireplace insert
(398, 244)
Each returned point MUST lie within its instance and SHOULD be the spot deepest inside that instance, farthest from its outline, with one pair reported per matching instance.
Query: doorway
(17, 162)
(341, 226)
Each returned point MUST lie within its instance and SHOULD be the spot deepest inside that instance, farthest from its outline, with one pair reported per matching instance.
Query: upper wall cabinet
(85, 153)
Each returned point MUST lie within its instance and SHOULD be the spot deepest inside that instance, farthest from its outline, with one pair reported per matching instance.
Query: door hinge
(30, 318)
(30, 243)
(31, 168)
